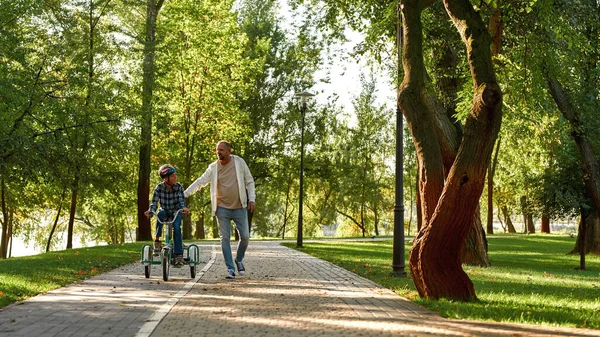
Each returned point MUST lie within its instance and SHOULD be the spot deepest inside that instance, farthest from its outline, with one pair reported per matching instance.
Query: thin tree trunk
(285, 211)
(418, 201)
(376, 220)
(530, 224)
(491, 172)
(62, 197)
(504, 229)
(508, 220)
(73, 209)
(143, 191)
(4, 237)
(10, 240)
(215, 227)
(200, 228)
(581, 240)
(410, 216)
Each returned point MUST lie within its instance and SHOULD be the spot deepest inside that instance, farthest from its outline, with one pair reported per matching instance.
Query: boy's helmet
(166, 170)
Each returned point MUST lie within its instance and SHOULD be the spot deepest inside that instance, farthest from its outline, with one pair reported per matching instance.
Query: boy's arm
(154, 202)
(199, 183)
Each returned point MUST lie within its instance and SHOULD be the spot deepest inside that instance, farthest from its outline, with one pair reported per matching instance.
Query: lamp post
(303, 98)
(398, 243)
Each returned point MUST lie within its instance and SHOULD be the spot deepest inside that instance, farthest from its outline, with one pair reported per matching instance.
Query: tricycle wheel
(165, 265)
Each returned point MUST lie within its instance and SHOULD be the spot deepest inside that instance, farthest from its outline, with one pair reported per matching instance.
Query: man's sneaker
(230, 274)
(157, 246)
(240, 268)
(179, 260)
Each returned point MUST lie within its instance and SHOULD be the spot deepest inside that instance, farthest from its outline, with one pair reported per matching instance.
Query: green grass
(27, 276)
(531, 280)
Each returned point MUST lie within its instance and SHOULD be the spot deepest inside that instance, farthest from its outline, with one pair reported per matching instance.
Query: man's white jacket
(244, 178)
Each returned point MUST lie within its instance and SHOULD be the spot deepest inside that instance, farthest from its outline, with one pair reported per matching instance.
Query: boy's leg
(224, 219)
(162, 215)
(240, 218)
(178, 244)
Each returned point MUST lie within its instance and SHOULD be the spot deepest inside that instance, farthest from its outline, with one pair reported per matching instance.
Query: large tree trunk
(589, 235)
(143, 191)
(435, 259)
(471, 254)
(449, 131)
(545, 224)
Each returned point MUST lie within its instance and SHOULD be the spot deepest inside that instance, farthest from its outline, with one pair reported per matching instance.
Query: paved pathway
(284, 293)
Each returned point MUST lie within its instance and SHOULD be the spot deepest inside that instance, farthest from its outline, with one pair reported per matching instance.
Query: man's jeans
(178, 244)
(240, 218)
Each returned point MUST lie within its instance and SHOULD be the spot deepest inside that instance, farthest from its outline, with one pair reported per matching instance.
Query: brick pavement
(289, 293)
(117, 303)
(284, 293)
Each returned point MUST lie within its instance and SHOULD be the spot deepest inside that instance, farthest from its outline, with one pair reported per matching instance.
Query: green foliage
(24, 277)
(538, 157)
(364, 168)
(69, 111)
(531, 280)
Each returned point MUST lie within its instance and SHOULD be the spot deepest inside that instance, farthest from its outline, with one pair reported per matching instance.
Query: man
(229, 179)
(170, 195)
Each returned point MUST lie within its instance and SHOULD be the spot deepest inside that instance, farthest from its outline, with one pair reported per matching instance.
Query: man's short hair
(227, 144)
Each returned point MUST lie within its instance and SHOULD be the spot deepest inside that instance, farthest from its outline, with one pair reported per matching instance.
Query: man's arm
(249, 182)
(199, 183)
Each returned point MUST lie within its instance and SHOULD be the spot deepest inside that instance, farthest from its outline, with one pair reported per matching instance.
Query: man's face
(223, 153)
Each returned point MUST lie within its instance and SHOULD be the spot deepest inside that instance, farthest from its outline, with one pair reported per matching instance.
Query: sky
(345, 78)
(345, 73)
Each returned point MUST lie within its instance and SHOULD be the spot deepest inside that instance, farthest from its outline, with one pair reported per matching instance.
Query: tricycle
(165, 257)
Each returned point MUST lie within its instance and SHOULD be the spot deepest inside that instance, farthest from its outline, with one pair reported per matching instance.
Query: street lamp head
(304, 95)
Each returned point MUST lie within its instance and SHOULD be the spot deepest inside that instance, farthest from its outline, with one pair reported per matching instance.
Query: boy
(170, 195)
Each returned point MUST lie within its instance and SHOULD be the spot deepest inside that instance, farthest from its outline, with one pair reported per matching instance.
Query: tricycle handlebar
(167, 222)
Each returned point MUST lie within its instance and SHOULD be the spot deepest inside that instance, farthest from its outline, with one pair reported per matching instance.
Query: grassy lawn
(531, 280)
(27, 276)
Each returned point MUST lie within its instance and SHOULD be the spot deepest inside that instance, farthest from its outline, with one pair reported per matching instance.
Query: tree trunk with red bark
(448, 209)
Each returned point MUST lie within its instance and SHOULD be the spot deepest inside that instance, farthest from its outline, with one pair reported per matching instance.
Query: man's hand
(185, 210)
(251, 206)
(147, 214)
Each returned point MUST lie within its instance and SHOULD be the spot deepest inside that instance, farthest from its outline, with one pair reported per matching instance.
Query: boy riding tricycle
(169, 193)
